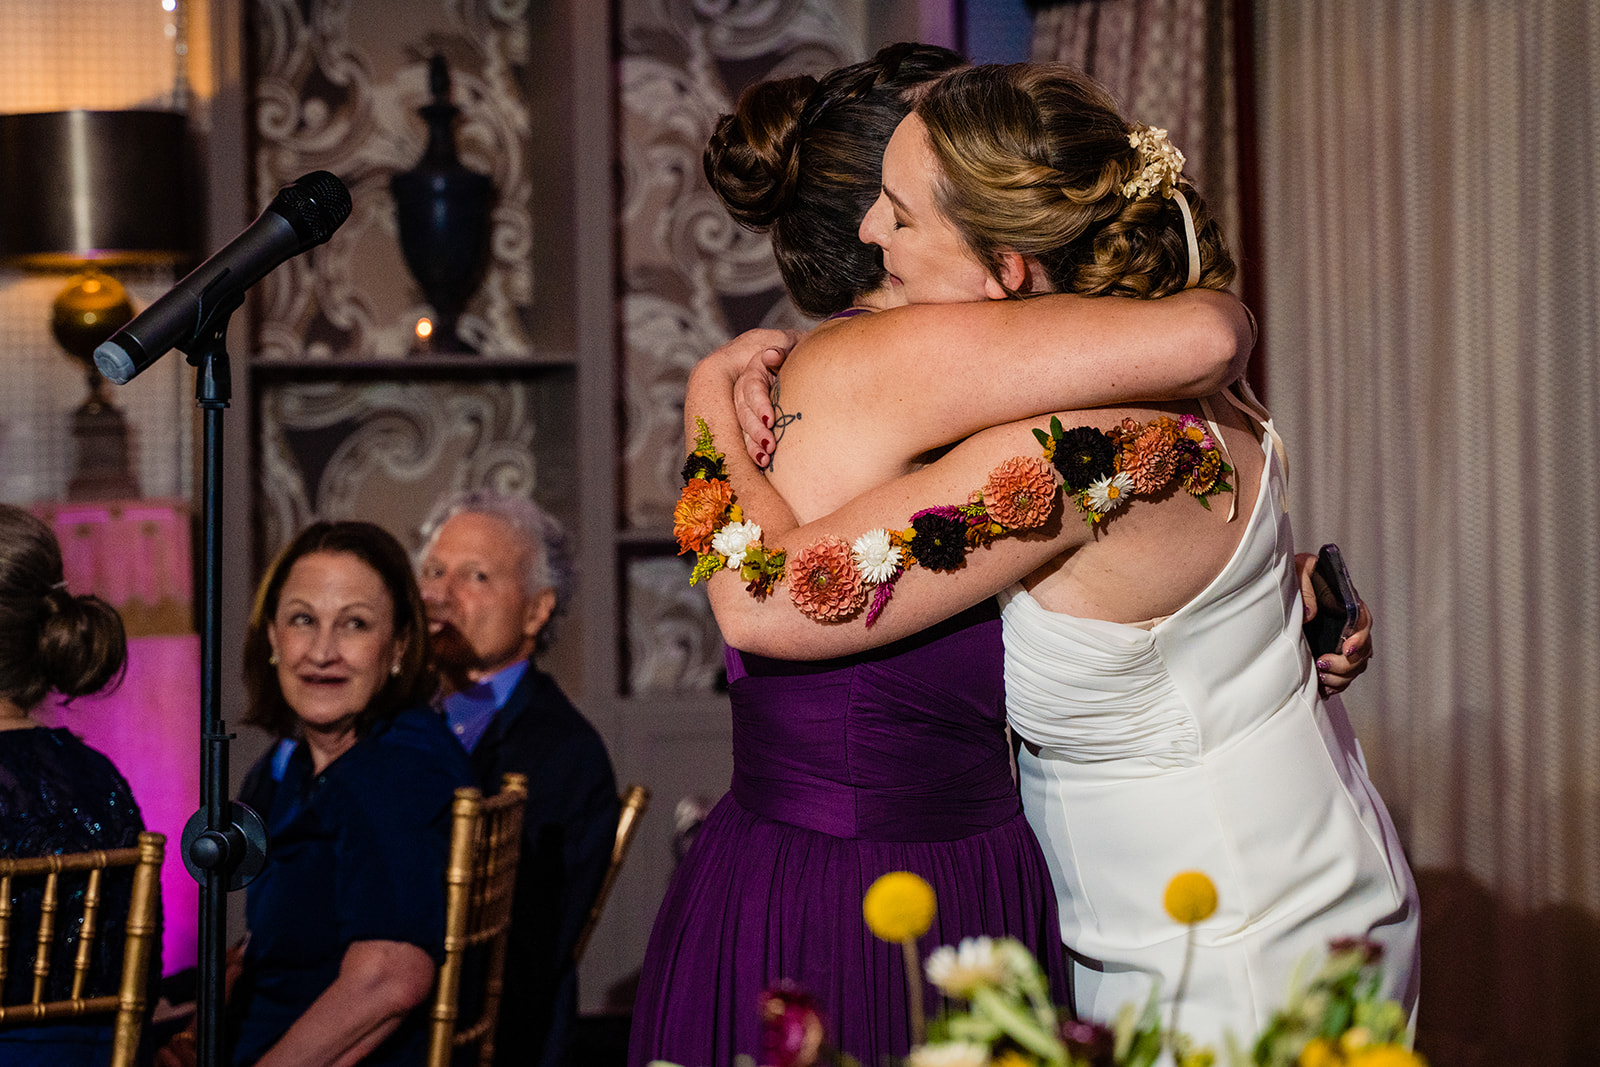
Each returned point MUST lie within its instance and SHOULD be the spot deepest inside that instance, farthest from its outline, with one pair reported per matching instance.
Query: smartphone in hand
(1338, 606)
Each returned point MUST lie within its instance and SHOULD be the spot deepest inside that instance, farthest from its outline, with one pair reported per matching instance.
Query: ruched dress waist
(906, 743)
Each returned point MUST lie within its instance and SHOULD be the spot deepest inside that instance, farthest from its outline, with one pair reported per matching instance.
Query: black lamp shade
(92, 186)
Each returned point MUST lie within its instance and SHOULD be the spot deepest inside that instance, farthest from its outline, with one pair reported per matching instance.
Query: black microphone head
(315, 204)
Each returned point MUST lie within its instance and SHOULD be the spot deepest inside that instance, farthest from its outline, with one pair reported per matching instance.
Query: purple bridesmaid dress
(845, 770)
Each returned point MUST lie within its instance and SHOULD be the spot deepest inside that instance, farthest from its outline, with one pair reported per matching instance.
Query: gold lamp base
(92, 308)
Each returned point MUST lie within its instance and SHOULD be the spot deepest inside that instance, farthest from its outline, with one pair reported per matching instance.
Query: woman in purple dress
(893, 759)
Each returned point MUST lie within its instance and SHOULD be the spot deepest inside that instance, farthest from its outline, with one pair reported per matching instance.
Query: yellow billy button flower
(1319, 1052)
(898, 906)
(1386, 1056)
(1190, 898)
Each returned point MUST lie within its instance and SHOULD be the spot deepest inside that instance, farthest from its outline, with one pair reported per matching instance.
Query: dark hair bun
(82, 646)
(753, 158)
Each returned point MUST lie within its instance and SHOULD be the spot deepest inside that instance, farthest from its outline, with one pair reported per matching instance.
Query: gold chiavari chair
(56, 917)
(485, 843)
(635, 799)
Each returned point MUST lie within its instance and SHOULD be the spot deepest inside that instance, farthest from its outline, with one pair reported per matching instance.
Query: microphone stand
(224, 844)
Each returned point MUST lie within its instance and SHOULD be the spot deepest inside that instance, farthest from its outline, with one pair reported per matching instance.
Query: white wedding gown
(1200, 743)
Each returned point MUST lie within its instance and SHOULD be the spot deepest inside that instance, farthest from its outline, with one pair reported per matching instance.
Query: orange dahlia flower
(824, 581)
(1149, 460)
(1020, 492)
(700, 510)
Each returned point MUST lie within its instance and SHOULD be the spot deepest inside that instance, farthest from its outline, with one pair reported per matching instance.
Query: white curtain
(1430, 170)
(1429, 178)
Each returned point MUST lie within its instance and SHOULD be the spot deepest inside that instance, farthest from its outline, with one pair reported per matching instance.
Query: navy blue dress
(356, 853)
(58, 795)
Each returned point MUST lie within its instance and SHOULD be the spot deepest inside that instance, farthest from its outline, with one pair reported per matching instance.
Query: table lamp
(86, 190)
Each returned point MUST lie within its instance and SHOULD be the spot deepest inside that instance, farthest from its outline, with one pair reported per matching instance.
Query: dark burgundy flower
(791, 1027)
(1371, 951)
(700, 466)
(941, 540)
(1084, 455)
(1089, 1042)
(1189, 456)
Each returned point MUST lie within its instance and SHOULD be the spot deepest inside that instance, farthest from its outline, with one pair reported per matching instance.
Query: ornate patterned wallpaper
(691, 278)
(337, 87)
(385, 450)
(337, 84)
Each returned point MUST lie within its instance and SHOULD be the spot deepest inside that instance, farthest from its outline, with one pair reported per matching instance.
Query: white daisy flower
(960, 971)
(733, 540)
(1109, 493)
(876, 556)
(949, 1054)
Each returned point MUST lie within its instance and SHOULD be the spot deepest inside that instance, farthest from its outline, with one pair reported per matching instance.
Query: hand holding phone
(1338, 606)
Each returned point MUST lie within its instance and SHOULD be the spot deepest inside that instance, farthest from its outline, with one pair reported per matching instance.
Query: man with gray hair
(495, 575)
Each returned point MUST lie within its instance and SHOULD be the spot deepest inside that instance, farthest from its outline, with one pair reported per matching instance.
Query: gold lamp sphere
(90, 309)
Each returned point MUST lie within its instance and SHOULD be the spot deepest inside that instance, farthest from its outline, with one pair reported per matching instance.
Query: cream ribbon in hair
(1161, 164)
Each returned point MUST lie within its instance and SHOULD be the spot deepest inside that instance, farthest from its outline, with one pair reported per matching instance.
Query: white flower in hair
(733, 540)
(1160, 164)
(876, 556)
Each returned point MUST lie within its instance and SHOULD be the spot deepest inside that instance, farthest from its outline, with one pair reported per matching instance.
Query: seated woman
(57, 795)
(1168, 708)
(347, 918)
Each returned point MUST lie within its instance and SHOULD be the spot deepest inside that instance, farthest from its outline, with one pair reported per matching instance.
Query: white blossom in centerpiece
(976, 962)
(949, 1054)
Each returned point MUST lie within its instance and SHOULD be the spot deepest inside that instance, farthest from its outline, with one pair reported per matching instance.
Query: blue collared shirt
(469, 711)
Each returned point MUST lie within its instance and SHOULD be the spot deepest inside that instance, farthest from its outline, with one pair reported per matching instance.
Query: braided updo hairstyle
(49, 639)
(802, 158)
(1034, 158)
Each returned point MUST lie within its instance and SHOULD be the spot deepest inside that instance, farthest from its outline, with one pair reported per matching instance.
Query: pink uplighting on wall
(136, 556)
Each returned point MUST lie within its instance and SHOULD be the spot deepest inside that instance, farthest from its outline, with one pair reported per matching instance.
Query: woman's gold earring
(272, 660)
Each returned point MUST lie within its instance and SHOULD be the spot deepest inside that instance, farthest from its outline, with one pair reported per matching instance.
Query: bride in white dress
(1200, 741)
(1169, 712)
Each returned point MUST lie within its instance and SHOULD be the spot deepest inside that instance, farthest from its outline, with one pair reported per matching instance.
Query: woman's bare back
(1159, 553)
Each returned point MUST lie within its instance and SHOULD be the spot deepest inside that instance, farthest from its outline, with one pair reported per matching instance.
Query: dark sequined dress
(58, 795)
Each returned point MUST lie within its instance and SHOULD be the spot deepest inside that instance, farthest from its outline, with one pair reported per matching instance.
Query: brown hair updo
(377, 548)
(1034, 158)
(49, 639)
(803, 159)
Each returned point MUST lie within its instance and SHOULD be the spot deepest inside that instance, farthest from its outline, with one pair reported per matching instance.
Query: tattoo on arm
(780, 423)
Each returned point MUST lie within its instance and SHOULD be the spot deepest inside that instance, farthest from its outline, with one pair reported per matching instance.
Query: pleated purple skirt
(844, 771)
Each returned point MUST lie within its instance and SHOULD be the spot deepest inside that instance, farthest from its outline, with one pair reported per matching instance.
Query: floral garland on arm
(833, 580)
(1103, 469)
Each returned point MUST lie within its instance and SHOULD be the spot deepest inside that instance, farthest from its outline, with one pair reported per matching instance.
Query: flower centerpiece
(998, 1011)
(1337, 1019)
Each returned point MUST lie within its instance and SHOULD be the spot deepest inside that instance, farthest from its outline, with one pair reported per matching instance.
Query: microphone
(303, 215)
